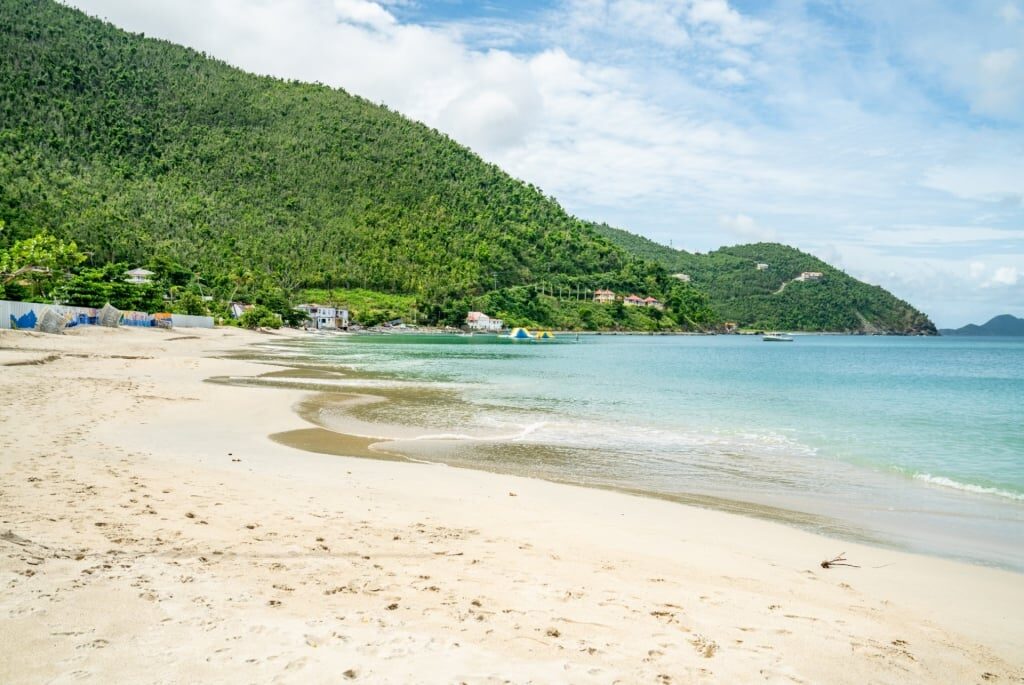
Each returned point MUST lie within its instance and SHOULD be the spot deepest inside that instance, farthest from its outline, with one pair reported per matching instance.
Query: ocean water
(916, 443)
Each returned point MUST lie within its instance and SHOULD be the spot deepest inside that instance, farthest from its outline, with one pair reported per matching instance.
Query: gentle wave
(647, 443)
(518, 433)
(968, 487)
(343, 383)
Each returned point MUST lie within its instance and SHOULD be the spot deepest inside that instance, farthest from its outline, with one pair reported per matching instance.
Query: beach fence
(26, 315)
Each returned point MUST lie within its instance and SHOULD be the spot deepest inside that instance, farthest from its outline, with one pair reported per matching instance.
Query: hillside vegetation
(771, 298)
(133, 146)
(245, 187)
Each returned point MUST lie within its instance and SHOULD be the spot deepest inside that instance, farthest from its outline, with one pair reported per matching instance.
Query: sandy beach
(152, 532)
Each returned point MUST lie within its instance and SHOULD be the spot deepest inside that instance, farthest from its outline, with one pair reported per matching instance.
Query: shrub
(260, 317)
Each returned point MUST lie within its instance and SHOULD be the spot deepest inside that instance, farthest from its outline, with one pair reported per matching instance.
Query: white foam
(345, 382)
(968, 487)
(518, 434)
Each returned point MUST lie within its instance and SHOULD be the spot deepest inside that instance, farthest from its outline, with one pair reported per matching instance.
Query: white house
(138, 276)
(324, 317)
(685, 278)
(809, 276)
(634, 301)
(761, 266)
(479, 321)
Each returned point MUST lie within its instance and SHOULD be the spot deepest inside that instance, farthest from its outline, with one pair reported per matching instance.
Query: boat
(776, 337)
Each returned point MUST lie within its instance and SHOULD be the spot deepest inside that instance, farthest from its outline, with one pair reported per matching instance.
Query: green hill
(1002, 325)
(148, 153)
(135, 146)
(770, 298)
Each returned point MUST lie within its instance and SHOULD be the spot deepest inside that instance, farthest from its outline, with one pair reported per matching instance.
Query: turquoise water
(912, 442)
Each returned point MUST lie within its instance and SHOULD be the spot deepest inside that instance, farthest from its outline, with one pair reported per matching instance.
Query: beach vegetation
(96, 286)
(260, 316)
(33, 267)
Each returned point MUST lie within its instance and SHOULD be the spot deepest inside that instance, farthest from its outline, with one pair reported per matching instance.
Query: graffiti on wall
(27, 320)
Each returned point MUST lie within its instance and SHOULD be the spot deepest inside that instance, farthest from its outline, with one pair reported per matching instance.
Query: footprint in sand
(704, 646)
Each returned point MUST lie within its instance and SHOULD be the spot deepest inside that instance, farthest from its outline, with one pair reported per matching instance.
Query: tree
(95, 286)
(260, 317)
(39, 264)
(191, 303)
(690, 306)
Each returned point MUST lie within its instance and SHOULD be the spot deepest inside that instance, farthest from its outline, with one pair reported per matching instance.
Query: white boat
(776, 337)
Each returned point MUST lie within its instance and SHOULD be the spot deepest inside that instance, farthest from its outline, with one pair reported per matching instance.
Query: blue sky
(885, 137)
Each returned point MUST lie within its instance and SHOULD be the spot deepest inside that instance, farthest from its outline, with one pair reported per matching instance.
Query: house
(653, 302)
(730, 326)
(633, 301)
(685, 278)
(322, 317)
(809, 276)
(761, 266)
(239, 308)
(478, 321)
(139, 276)
(604, 296)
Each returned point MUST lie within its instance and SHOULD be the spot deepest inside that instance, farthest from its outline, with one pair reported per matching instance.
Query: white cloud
(726, 21)
(363, 12)
(970, 51)
(997, 177)
(999, 88)
(730, 76)
(1010, 13)
(745, 228)
(658, 21)
(1005, 275)
(993, 277)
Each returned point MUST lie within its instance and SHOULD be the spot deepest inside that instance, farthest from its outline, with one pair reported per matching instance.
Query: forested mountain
(772, 297)
(134, 146)
(147, 153)
(669, 258)
(1002, 325)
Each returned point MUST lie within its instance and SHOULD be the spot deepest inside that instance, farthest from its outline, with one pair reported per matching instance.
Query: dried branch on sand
(838, 560)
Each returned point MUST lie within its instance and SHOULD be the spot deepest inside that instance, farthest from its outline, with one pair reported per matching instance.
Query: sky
(886, 138)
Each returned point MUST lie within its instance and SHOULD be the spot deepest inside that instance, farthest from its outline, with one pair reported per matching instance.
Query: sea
(913, 443)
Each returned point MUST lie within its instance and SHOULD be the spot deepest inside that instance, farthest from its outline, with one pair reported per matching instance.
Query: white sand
(150, 532)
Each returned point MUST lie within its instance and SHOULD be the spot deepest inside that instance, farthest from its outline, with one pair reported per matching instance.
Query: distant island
(1004, 324)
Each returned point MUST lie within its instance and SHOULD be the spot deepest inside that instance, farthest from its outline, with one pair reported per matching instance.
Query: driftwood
(838, 560)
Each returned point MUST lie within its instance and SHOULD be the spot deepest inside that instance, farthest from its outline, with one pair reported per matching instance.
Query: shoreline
(151, 531)
(345, 404)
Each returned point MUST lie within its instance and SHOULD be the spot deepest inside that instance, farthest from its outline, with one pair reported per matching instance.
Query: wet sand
(151, 531)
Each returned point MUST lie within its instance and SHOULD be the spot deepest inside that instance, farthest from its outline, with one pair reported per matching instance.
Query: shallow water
(915, 442)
